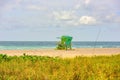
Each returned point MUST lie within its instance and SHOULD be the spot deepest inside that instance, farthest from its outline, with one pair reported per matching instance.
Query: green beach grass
(48, 68)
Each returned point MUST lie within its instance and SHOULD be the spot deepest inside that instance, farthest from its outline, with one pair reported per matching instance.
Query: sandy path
(64, 53)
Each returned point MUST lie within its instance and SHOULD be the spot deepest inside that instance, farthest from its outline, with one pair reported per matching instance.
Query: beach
(63, 53)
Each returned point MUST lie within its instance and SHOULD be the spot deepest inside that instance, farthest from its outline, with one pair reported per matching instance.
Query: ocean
(22, 45)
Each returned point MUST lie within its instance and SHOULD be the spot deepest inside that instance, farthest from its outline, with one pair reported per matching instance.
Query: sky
(45, 20)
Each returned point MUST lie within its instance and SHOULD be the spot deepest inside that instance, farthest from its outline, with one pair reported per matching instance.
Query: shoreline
(63, 53)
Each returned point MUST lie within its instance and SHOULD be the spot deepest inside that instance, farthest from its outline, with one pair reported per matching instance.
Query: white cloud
(84, 20)
(77, 6)
(71, 19)
(117, 20)
(35, 7)
(64, 15)
(87, 20)
(9, 5)
(87, 2)
(112, 18)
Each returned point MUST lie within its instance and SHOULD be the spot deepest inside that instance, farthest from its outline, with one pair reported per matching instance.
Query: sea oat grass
(48, 68)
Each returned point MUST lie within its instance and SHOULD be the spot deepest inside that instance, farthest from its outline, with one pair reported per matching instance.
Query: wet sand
(64, 53)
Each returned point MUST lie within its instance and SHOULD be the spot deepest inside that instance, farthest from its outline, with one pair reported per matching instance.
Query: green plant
(28, 67)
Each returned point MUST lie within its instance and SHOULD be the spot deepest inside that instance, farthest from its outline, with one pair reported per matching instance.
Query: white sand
(64, 53)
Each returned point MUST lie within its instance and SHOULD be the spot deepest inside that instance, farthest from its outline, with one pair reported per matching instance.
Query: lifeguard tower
(65, 43)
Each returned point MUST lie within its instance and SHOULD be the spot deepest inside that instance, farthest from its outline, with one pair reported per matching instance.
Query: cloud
(87, 20)
(71, 19)
(63, 15)
(84, 20)
(9, 5)
(77, 6)
(117, 20)
(35, 7)
(15, 4)
(111, 16)
(87, 2)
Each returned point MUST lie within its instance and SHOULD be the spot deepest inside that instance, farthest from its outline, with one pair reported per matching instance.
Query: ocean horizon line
(58, 41)
(53, 44)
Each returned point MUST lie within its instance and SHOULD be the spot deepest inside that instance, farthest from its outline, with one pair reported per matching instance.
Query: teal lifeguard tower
(65, 43)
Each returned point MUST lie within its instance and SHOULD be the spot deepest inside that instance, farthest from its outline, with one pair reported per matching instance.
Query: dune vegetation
(28, 67)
